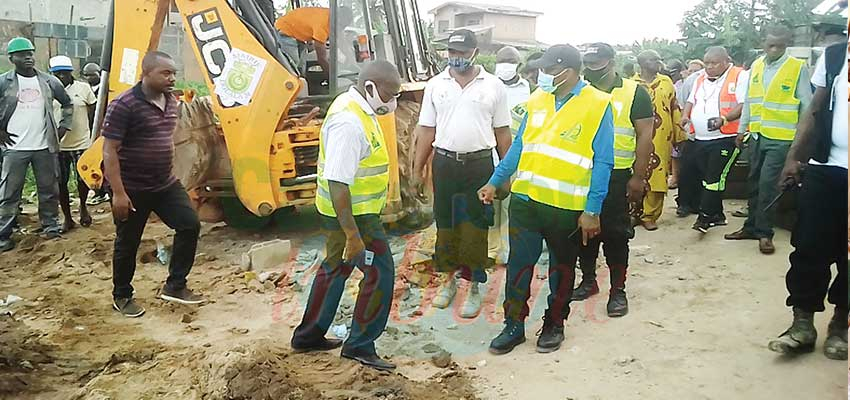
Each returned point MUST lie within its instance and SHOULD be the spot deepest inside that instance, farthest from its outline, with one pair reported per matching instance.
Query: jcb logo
(212, 42)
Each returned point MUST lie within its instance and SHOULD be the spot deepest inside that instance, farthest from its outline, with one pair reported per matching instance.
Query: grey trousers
(45, 165)
(767, 158)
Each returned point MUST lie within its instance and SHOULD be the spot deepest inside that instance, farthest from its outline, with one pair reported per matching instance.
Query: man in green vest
(562, 156)
(353, 179)
(778, 93)
(634, 124)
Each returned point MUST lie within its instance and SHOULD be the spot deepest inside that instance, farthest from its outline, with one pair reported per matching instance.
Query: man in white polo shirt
(508, 60)
(464, 117)
(712, 111)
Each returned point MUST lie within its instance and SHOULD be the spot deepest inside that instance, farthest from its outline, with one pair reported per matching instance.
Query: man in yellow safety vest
(778, 93)
(563, 155)
(634, 124)
(353, 179)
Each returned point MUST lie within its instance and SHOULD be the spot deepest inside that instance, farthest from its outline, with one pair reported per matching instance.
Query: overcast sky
(583, 21)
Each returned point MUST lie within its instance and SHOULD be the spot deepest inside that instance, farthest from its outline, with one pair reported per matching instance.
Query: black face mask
(596, 76)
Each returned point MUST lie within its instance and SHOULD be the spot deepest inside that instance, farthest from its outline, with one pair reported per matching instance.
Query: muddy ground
(702, 313)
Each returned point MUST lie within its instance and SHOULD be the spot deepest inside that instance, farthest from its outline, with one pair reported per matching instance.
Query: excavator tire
(418, 207)
(238, 217)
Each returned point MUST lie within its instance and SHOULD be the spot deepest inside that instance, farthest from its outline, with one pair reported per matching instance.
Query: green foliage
(488, 61)
(668, 49)
(738, 24)
(200, 88)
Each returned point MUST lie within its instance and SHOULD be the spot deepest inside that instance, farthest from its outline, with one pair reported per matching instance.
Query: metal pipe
(299, 180)
(105, 65)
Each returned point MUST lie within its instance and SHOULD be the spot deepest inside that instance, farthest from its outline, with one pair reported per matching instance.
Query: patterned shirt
(145, 132)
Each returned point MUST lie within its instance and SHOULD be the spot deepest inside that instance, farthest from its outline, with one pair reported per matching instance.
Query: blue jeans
(372, 307)
(45, 166)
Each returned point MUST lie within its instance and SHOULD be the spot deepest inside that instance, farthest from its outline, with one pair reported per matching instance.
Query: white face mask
(378, 105)
(506, 71)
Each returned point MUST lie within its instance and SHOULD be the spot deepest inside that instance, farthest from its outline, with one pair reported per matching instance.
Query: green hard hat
(19, 44)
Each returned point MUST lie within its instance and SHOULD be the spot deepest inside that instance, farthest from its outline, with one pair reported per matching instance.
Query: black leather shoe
(618, 304)
(321, 345)
(369, 360)
(585, 289)
(683, 212)
(551, 336)
(512, 336)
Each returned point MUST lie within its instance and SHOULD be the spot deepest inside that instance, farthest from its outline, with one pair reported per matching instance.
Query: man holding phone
(353, 180)
(712, 111)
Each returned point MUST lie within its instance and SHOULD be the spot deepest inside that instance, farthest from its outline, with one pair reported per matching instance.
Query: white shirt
(706, 101)
(518, 93)
(465, 117)
(79, 137)
(28, 121)
(345, 142)
(838, 152)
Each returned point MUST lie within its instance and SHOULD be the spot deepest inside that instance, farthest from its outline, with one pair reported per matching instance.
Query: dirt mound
(264, 372)
(22, 358)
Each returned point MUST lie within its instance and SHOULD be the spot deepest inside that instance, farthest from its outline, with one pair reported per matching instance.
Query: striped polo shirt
(145, 132)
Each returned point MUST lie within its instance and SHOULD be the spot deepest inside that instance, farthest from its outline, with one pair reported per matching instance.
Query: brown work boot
(740, 234)
(766, 246)
(650, 225)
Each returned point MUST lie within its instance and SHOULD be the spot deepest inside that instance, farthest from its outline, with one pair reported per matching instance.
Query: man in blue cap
(30, 134)
(76, 140)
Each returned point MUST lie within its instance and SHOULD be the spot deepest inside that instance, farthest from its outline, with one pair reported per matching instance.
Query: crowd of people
(565, 148)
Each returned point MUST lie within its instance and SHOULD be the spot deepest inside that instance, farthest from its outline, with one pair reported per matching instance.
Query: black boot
(512, 336)
(800, 337)
(835, 347)
(585, 289)
(618, 304)
(551, 335)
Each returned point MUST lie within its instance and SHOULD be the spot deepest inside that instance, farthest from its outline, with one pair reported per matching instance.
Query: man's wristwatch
(591, 213)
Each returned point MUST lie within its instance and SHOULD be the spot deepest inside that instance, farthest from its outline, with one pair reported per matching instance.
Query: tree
(733, 24)
(668, 49)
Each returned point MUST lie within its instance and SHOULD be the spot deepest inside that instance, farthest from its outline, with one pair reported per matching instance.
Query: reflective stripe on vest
(557, 148)
(727, 98)
(369, 190)
(622, 99)
(775, 110)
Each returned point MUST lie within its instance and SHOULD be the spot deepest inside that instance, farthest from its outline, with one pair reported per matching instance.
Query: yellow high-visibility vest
(775, 111)
(369, 190)
(557, 148)
(625, 143)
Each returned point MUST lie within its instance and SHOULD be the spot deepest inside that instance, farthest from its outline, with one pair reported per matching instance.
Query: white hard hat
(61, 63)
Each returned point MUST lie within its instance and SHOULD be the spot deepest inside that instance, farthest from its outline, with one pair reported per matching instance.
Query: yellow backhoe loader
(248, 152)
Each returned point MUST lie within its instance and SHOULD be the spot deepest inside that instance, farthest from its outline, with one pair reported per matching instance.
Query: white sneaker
(446, 294)
(472, 305)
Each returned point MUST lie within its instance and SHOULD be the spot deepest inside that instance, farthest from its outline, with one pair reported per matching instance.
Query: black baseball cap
(560, 54)
(598, 53)
(462, 40)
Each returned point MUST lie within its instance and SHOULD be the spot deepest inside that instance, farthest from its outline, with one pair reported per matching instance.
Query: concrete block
(267, 256)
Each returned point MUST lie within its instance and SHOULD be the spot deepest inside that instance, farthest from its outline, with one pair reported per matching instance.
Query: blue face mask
(460, 64)
(546, 82)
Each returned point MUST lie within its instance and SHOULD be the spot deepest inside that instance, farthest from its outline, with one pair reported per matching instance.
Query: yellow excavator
(248, 152)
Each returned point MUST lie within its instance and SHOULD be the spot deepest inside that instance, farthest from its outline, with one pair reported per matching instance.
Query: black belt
(464, 157)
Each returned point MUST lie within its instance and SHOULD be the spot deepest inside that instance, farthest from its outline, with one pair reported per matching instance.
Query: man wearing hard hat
(30, 135)
(76, 141)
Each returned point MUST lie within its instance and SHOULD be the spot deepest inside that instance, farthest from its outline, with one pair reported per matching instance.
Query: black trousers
(702, 175)
(818, 240)
(372, 307)
(617, 230)
(174, 209)
(461, 221)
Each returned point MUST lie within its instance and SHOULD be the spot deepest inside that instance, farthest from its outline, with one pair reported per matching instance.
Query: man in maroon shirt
(138, 151)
